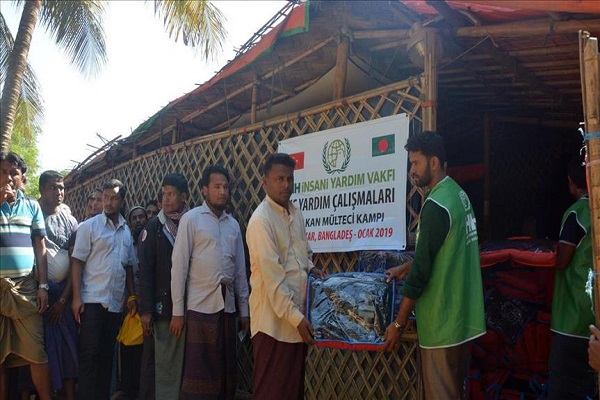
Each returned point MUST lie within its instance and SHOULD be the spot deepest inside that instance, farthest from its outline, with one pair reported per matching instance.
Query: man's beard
(218, 207)
(425, 180)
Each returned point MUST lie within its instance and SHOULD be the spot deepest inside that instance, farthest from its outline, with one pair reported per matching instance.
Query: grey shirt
(60, 228)
(60, 235)
(208, 252)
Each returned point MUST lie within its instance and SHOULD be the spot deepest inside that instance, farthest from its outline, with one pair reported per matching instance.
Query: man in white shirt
(280, 262)
(102, 263)
(209, 263)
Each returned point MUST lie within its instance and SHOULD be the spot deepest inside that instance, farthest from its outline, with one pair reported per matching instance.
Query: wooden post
(590, 89)
(429, 105)
(174, 133)
(487, 180)
(341, 64)
(254, 99)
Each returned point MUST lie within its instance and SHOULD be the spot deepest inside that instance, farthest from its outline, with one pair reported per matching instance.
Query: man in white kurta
(280, 262)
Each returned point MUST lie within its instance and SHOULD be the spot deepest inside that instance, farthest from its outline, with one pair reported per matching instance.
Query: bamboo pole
(429, 106)
(391, 45)
(531, 65)
(543, 51)
(341, 64)
(590, 88)
(381, 34)
(551, 7)
(529, 28)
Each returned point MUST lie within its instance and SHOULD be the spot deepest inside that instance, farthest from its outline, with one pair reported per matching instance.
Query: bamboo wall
(331, 373)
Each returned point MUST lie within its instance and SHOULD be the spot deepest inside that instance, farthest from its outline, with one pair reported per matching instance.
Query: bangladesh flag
(383, 145)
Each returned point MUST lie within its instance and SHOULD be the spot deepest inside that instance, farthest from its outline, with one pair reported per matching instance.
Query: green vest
(450, 309)
(572, 304)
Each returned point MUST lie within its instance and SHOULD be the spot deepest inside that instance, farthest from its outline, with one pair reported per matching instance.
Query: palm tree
(76, 26)
(16, 66)
(29, 111)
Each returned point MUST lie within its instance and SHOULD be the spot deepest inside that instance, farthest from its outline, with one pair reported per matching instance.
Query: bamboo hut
(499, 79)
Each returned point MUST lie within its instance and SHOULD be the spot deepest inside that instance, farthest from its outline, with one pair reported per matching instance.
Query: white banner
(350, 183)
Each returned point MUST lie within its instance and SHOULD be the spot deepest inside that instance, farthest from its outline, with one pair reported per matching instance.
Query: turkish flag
(299, 158)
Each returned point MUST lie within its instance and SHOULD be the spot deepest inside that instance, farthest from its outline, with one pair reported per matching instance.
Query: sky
(145, 70)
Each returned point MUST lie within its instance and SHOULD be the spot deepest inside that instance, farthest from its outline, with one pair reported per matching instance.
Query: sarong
(168, 358)
(210, 356)
(21, 330)
(61, 340)
(278, 371)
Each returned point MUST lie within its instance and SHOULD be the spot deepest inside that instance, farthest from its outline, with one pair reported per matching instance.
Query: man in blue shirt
(22, 299)
(101, 268)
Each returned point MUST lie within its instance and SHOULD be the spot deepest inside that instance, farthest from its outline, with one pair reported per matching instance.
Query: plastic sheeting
(380, 261)
(350, 310)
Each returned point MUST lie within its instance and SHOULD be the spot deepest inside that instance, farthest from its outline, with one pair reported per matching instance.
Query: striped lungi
(210, 356)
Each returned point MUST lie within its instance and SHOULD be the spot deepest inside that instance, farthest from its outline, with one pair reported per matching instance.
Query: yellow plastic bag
(131, 333)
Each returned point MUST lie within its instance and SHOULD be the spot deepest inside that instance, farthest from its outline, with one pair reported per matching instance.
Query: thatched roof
(518, 58)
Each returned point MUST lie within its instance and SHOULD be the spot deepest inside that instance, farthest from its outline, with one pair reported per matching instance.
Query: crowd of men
(66, 286)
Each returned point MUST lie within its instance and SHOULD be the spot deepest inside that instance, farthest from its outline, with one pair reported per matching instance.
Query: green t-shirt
(572, 311)
(446, 277)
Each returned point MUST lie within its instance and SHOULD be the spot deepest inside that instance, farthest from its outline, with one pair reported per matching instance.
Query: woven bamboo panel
(331, 374)
(343, 374)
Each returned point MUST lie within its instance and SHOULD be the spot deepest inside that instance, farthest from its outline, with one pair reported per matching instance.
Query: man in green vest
(570, 374)
(443, 282)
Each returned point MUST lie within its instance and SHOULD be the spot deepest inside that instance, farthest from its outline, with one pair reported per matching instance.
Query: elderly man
(60, 328)
(22, 299)
(131, 356)
(102, 263)
(137, 218)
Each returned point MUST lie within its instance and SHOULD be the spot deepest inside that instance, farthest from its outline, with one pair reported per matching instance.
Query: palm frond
(30, 108)
(77, 27)
(199, 23)
(6, 45)
(27, 118)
